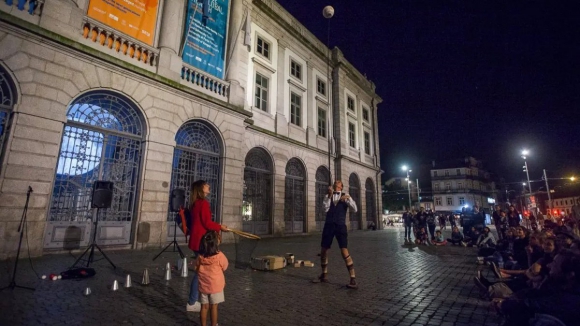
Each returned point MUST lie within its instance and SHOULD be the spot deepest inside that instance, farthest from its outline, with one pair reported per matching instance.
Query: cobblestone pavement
(398, 285)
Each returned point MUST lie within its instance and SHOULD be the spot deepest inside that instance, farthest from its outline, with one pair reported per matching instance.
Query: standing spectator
(408, 224)
(513, 217)
(452, 220)
(430, 219)
(442, 222)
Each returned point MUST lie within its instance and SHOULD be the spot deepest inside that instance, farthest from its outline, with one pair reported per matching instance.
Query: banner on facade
(205, 44)
(136, 18)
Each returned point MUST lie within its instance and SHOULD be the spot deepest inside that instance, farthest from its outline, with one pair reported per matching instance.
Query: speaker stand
(92, 247)
(174, 243)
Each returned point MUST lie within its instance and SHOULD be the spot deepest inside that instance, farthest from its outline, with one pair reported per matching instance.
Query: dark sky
(457, 78)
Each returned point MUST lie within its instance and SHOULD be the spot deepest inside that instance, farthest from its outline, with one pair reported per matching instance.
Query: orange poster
(136, 18)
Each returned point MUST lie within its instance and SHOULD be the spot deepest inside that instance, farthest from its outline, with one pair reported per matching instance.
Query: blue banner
(205, 44)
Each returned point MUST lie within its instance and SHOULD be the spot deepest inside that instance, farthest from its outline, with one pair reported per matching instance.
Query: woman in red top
(200, 223)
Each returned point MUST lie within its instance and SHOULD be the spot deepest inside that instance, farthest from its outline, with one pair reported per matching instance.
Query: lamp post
(405, 168)
(525, 153)
(418, 194)
(328, 12)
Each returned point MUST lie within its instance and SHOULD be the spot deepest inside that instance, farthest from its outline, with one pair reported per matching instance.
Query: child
(456, 236)
(211, 265)
(439, 240)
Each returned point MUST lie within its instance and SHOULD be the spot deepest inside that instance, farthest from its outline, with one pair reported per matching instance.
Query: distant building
(461, 183)
(562, 205)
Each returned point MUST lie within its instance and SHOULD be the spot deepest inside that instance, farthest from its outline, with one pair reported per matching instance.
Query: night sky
(478, 78)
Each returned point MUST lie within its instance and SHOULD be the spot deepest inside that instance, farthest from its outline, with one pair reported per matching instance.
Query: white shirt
(336, 197)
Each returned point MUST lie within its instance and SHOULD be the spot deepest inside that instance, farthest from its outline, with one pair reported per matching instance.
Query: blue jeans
(408, 231)
(194, 287)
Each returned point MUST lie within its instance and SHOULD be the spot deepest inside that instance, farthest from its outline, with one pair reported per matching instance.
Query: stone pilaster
(281, 119)
(237, 64)
(169, 39)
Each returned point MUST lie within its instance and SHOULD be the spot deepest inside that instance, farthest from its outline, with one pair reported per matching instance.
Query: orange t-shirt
(211, 273)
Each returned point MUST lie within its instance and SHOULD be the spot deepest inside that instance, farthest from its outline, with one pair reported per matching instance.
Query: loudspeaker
(177, 199)
(102, 194)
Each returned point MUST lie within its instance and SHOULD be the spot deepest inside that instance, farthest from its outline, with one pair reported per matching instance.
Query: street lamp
(405, 168)
(525, 153)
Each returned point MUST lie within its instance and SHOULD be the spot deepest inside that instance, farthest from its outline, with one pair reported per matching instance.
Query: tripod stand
(21, 227)
(92, 247)
(174, 243)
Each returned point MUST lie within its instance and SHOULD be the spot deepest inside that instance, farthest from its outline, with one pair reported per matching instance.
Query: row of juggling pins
(145, 278)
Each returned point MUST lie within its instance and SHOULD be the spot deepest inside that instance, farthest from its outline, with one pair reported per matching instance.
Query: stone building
(85, 96)
(462, 183)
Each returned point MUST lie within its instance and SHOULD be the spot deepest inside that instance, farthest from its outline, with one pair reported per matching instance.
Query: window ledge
(296, 84)
(321, 99)
(263, 64)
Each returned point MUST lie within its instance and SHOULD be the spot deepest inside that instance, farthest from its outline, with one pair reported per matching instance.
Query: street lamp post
(405, 168)
(525, 153)
(418, 194)
(548, 191)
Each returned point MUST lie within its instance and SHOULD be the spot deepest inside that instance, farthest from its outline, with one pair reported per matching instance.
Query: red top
(201, 223)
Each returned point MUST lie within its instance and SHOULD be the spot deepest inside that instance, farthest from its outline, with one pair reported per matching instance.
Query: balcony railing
(34, 7)
(119, 44)
(200, 80)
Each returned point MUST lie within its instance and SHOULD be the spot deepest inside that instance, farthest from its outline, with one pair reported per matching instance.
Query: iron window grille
(354, 192)
(370, 200)
(322, 184)
(7, 100)
(295, 192)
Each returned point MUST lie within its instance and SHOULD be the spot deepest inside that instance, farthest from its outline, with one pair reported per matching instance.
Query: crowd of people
(535, 260)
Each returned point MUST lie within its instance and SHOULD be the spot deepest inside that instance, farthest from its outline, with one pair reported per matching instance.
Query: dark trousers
(431, 228)
(408, 231)
(484, 252)
(457, 241)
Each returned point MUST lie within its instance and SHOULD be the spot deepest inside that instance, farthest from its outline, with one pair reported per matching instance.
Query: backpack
(185, 221)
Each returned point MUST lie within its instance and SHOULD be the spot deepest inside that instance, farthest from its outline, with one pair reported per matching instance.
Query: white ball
(328, 12)
(44, 277)
(60, 277)
(54, 278)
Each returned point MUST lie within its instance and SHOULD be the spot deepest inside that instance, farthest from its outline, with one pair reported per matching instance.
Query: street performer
(336, 204)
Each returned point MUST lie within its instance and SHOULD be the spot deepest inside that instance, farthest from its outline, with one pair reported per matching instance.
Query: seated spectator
(471, 239)
(486, 243)
(456, 236)
(439, 240)
(421, 237)
(559, 298)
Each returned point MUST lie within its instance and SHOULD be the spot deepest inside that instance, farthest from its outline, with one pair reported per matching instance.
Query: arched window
(197, 156)
(257, 195)
(322, 184)
(102, 140)
(354, 192)
(294, 196)
(370, 201)
(7, 101)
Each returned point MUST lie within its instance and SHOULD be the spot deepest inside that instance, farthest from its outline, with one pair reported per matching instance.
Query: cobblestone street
(398, 285)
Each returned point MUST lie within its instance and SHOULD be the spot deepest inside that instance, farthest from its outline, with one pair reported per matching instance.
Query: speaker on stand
(177, 201)
(102, 198)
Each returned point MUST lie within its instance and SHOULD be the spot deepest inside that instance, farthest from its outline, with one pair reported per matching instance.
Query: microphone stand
(21, 227)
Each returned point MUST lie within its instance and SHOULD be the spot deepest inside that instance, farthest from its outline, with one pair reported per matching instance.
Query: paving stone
(398, 285)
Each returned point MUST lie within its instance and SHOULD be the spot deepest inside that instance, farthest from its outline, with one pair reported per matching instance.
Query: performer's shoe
(352, 284)
(320, 279)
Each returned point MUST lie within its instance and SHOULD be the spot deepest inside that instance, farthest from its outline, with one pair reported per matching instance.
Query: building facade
(462, 183)
(245, 98)
(562, 205)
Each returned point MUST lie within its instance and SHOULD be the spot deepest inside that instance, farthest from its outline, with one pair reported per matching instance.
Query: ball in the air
(44, 277)
(59, 277)
(328, 12)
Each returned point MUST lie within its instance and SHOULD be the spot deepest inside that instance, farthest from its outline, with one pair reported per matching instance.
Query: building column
(237, 63)
(170, 35)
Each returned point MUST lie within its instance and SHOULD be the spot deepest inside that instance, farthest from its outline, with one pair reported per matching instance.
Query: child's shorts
(212, 298)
